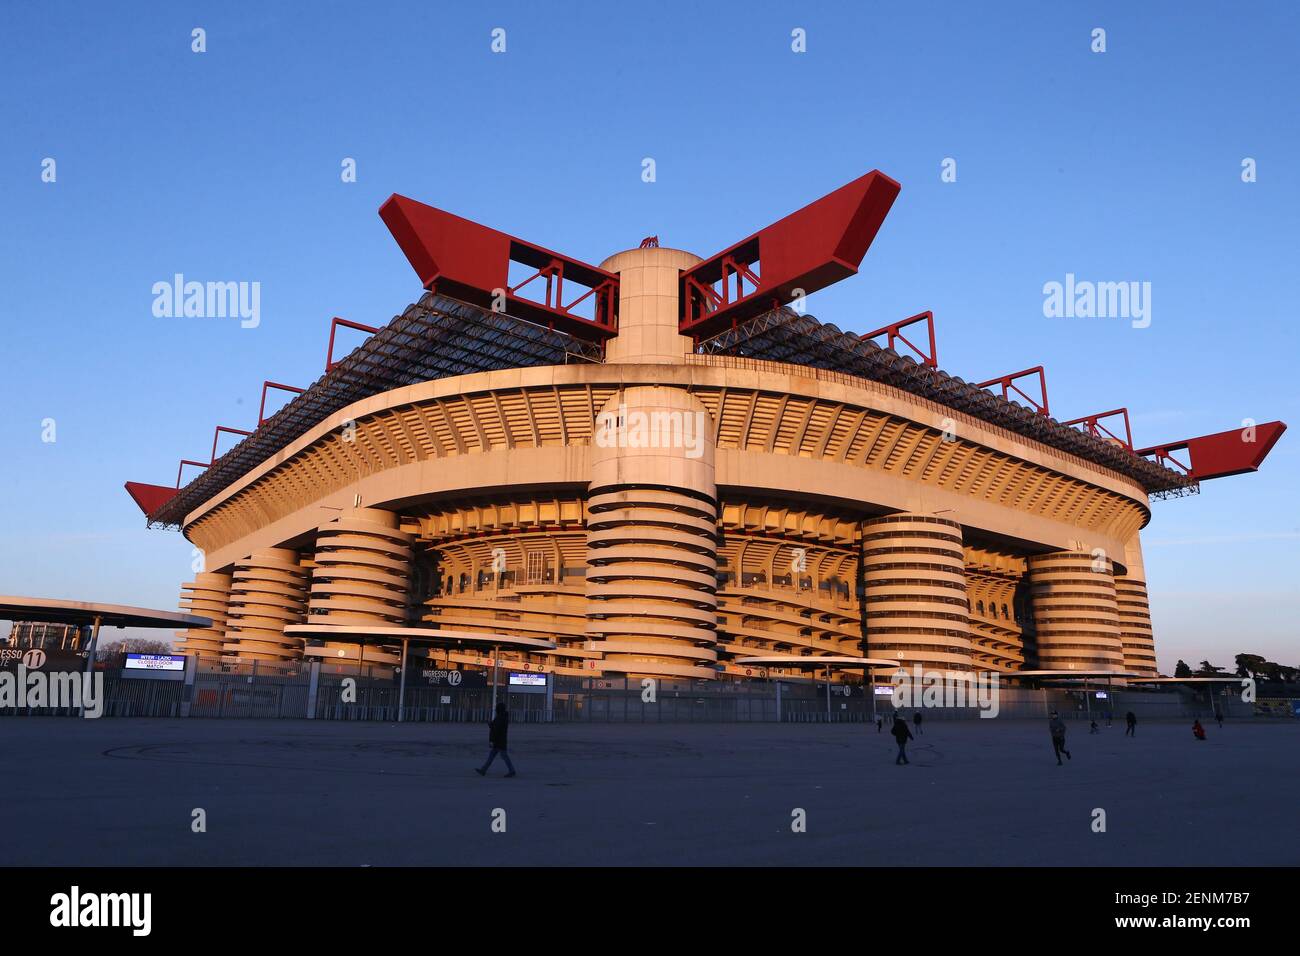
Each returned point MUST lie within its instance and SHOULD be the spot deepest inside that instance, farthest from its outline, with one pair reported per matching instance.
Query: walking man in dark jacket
(1131, 719)
(1057, 726)
(916, 719)
(902, 735)
(498, 731)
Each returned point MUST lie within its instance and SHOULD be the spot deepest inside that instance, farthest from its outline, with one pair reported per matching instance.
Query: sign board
(452, 677)
(1102, 695)
(38, 659)
(154, 666)
(155, 662)
(527, 683)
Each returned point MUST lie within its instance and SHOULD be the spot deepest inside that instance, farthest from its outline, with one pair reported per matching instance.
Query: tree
(131, 645)
(1253, 665)
(1182, 670)
(1249, 665)
(1208, 670)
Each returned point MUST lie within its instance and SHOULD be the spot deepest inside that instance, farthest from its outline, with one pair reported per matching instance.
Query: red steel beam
(188, 461)
(1234, 452)
(469, 261)
(1092, 425)
(808, 250)
(1008, 383)
(334, 324)
(217, 434)
(261, 409)
(894, 331)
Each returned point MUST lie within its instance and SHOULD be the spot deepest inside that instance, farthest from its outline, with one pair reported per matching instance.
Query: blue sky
(225, 165)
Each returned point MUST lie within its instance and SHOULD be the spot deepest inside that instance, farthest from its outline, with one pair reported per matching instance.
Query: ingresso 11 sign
(155, 662)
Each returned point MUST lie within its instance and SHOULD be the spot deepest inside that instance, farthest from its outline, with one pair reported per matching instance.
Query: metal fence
(333, 692)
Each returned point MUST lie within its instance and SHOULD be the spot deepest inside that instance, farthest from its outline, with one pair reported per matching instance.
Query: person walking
(1197, 730)
(498, 734)
(1057, 727)
(1218, 717)
(902, 735)
(1093, 728)
(916, 720)
(880, 722)
(1131, 730)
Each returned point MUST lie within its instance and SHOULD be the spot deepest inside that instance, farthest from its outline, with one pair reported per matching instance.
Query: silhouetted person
(1131, 720)
(1057, 727)
(880, 722)
(1218, 717)
(916, 719)
(1094, 729)
(902, 735)
(498, 733)
(1197, 730)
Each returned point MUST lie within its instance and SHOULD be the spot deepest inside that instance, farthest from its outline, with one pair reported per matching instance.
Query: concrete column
(362, 570)
(1075, 613)
(1136, 638)
(914, 578)
(268, 591)
(207, 595)
(652, 535)
(648, 306)
(361, 575)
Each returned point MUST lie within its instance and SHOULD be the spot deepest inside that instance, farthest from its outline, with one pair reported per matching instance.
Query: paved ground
(978, 793)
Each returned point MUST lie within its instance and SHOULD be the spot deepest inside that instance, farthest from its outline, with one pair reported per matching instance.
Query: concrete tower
(652, 525)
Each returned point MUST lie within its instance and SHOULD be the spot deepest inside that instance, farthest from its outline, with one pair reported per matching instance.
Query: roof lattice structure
(438, 337)
(784, 335)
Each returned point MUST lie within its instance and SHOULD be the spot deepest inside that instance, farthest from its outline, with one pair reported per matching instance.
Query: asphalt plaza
(336, 793)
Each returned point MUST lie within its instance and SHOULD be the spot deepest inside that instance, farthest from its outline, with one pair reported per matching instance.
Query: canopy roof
(81, 613)
(360, 633)
(816, 663)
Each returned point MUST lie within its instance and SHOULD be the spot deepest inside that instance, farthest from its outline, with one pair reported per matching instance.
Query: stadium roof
(784, 335)
(436, 338)
(440, 337)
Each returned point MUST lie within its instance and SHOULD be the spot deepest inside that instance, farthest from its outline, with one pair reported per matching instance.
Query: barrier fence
(330, 692)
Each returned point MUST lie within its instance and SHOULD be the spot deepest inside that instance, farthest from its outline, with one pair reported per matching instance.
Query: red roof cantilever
(468, 261)
(808, 250)
(149, 498)
(1234, 452)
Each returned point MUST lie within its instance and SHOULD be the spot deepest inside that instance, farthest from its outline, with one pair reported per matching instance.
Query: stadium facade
(663, 466)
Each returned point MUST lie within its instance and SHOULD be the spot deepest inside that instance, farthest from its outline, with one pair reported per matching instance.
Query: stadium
(661, 466)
